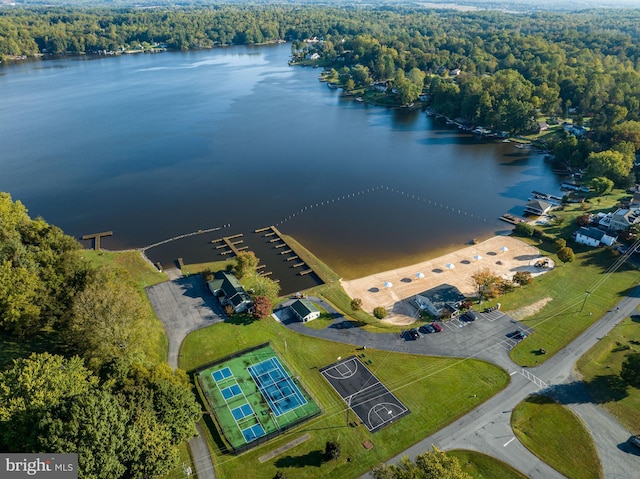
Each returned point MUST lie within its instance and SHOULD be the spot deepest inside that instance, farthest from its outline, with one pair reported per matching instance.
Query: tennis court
(253, 395)
(276, 386)
(372, 402)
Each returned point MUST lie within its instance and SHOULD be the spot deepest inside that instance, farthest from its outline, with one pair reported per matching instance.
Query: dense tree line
(489, 68)
(100, 392)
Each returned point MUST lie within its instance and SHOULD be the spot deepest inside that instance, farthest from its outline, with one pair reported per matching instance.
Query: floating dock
(512, 219)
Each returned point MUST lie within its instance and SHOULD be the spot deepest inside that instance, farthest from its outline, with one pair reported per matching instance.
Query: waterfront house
(594, 237)
(622, 218)
(537, 207)
(575, 130)
(226, 287)
(304, 310)
(443, 300)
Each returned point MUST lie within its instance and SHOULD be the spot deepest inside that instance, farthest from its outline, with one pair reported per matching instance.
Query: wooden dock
(512, 219)
(231, 245)
(96, 238)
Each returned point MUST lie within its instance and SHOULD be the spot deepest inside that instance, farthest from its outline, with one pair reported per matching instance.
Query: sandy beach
(394, 289)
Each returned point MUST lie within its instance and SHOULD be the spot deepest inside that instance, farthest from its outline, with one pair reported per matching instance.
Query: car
(425, 329)
(517, 335)
(469, 316)
(411, 334)
(635, 440)
(437, 327)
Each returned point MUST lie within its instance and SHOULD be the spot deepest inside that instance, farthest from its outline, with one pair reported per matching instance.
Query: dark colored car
(469, 316)
(411, 334)
(635, 440)
(517, 335)
(425, 329)
(437, 327)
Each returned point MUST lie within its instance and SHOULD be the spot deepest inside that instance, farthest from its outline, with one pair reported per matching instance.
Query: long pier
(175, 238)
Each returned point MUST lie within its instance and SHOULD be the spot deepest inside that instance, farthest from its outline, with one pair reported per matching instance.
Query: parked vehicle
(517, 335)
(410, 335)
(437, 327)
(635, 440)
(469, 316)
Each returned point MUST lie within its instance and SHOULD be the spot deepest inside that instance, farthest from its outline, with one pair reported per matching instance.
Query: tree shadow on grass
(601, 389)
(240, 319)
(312, 458)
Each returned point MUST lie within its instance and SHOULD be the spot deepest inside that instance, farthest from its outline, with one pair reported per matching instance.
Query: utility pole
(586, 295)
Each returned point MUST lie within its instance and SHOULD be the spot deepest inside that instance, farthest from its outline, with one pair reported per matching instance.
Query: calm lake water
(154, 146)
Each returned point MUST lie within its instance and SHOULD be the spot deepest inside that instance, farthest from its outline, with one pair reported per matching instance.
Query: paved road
(487, 428)
(184, 304)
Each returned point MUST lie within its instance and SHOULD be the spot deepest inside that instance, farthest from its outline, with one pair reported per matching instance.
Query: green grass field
(250, 394)
(481, 466)
(600, 368)
(546, 428)
(436, 390)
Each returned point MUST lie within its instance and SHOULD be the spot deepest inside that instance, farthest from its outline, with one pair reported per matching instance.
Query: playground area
(254, 397)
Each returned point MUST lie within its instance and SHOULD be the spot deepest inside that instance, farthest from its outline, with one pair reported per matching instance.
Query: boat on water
(333, 86)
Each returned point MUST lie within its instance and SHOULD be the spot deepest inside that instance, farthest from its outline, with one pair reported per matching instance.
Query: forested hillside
(97, 388)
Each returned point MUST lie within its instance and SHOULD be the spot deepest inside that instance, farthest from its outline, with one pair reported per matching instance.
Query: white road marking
(509, 441)
(515, 372)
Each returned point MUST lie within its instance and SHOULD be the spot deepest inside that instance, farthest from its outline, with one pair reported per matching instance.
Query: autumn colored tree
(486, 283)
(523, 278)
(261, 307)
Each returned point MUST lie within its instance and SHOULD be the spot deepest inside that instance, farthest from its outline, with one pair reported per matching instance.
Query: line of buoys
(391, 190)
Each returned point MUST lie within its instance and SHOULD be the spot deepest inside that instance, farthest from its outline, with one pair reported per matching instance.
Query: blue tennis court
(221, 374)
(231, 391)
(276, 386)
(253, 432)
(241, 412)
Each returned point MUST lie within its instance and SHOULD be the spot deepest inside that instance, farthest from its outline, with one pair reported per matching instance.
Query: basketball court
(372, 402)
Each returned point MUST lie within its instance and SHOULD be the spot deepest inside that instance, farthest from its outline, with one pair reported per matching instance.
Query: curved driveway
(487, 428)
(184, 304)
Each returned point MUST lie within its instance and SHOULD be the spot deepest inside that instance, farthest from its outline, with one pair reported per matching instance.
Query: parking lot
(489, 335)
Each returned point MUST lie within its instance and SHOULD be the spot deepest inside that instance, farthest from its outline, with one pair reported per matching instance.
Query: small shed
(305, 310)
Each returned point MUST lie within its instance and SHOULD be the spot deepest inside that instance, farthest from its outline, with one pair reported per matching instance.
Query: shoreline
(502, 255)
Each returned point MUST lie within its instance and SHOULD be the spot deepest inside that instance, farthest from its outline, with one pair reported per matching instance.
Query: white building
(594, 237)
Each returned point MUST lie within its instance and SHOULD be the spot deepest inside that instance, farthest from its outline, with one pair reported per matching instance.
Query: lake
(154, 146)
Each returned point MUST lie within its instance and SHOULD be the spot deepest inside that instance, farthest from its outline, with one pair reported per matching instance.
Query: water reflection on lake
(153, 146)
